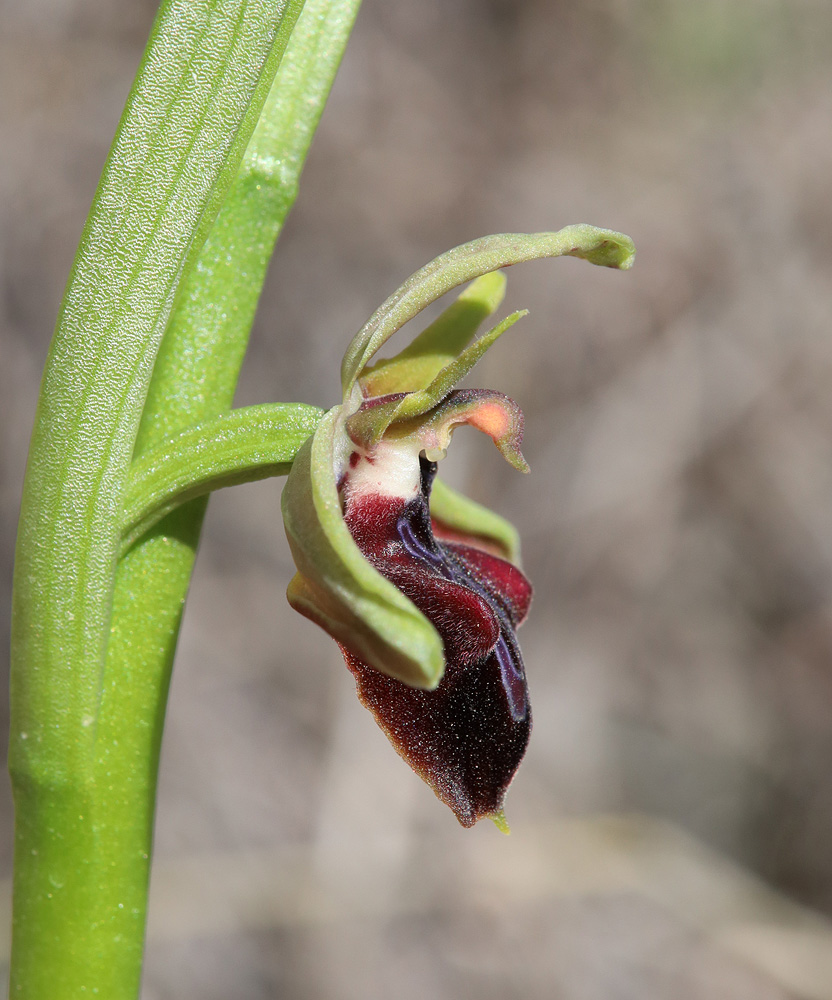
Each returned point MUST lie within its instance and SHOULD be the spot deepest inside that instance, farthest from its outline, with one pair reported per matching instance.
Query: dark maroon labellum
(467, 737)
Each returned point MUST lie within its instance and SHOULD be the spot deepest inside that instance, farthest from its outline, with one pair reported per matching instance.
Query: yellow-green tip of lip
(499, 820)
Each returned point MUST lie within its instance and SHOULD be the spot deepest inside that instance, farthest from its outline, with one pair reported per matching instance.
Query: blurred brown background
(672, 824)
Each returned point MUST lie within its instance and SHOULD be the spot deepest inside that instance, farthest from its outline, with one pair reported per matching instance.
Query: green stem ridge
(94, 635)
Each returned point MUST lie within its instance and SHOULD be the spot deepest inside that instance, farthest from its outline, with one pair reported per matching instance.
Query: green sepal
(438, 344)
(249, 443)
(336, 586)
(469, 519)
(463, 263)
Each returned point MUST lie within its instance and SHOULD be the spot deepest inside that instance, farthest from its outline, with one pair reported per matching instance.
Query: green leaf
(194, 380)
(193, 106)
(239, 447)
(598, 246)
(85, 742)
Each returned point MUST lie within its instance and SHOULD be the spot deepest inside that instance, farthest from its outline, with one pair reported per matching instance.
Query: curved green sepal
(598, 246)
(336, 586)
(457, 516)
(247, 444)
(438, 344)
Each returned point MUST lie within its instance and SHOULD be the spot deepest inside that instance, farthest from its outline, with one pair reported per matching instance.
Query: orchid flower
(422, 588)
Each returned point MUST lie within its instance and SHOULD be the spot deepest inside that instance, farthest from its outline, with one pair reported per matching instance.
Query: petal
(395, 536)
(466, 622)
(502, 579)
(438, 344)
(467, 737)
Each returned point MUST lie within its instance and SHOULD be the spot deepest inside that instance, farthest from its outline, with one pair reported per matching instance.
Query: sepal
(466, 262)
(336, 586)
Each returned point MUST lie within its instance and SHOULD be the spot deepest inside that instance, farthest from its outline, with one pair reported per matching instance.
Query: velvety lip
(467, 737)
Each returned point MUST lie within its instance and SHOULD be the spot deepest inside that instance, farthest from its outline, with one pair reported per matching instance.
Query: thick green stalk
(173, 158)
(99, 943)
(84, 743)
(195, 379)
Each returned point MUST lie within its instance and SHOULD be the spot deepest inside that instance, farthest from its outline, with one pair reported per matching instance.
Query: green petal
(336, 586)
(417, 403)
(440, 343)
(463, 263)
(368, 426)
(465, 517)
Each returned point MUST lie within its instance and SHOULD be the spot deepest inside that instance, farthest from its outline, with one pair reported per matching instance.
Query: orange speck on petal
(491, 419)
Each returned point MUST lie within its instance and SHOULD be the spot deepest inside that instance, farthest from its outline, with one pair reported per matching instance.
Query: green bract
(409, 398)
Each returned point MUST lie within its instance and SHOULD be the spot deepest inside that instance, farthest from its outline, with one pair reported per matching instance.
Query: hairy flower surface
(467, 737)
(421, 587)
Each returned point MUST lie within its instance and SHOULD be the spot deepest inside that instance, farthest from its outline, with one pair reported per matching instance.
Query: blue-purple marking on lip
(417, 548)
(512, 676)
(413, 527)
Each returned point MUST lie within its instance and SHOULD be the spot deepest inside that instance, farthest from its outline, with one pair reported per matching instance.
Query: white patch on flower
(390, 470)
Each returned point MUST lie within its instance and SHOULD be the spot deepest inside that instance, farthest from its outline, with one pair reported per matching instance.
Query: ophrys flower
(420, 587)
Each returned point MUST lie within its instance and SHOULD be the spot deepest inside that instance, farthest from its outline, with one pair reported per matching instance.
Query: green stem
(94, 639)
(239, 447)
